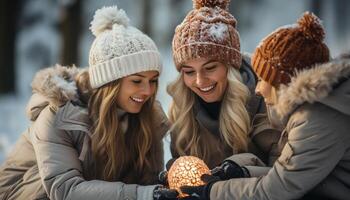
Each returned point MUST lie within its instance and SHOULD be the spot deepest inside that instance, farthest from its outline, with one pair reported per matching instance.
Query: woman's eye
(210, 68)
(136, 81)
(154, 81)
(189, 72)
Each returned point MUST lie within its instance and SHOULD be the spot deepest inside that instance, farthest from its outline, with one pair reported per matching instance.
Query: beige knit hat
(209, 31)
(290, 48)
(119, 49)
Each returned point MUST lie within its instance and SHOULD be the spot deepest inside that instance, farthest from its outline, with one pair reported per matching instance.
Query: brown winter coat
(263, 137)
(315, 158)
(52, 157)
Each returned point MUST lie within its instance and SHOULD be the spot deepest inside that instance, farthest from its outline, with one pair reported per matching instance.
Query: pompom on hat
(289, 49)
(208, 31)
(119, 49)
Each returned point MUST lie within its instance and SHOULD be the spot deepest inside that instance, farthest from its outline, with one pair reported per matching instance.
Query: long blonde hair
(234, 119)
(120, 156)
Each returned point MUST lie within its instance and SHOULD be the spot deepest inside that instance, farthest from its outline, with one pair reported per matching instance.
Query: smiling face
(206, 78)
(136, 89)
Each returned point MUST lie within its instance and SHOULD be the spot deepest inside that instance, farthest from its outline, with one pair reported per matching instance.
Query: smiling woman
(96, 133)
(137, 89)
(206, 78)
(215, 113)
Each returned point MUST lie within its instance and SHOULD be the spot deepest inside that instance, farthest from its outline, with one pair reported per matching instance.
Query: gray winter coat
(315, 158)
(53, 155)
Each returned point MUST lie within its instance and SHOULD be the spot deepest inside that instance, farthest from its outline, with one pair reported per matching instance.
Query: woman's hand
(200, 192)
(230, 169)
(163, 175)
(163, 193)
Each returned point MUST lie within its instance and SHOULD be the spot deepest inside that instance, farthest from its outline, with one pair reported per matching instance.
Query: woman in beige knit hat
(215, 113)
(97, 133)
(311, 98)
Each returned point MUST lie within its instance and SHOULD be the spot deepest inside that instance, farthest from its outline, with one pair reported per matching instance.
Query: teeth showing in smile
(206, 89)
(137, 99)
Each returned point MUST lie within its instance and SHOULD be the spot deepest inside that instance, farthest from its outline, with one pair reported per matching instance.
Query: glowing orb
(186, 170)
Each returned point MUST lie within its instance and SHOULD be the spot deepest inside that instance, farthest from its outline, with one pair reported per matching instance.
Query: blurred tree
(241, 10)
(146, 16)
(342, 15)
(177, 14)
(316, 7)
(9, 11)
(71, 29)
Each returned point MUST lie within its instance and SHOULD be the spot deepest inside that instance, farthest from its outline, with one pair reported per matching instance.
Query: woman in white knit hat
(96, 133)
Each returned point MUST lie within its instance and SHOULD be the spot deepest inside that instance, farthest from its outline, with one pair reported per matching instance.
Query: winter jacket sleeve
(61, 170)
(313, 149)
(251, 162)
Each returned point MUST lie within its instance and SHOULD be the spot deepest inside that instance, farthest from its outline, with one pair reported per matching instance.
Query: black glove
(200, 192)
(162, 193)
(229, 169)
(163, 175)
(169, 163)
(163, 178)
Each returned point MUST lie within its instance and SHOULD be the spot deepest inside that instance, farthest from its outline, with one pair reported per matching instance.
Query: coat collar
(311, 85)
(73, 117)
(202, 116)
(52, 86)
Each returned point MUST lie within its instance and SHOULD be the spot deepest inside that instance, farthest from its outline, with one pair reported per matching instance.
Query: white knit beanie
(119, 50)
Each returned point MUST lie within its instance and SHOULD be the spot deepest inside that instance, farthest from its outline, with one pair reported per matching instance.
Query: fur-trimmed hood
(52, 86)
(327, 83)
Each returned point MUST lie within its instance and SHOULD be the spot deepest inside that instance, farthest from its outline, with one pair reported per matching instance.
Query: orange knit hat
(290, 48)
(209, 31)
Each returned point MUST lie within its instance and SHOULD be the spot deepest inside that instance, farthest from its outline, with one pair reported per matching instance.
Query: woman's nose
(147, 90)
(200, 79)
(257, 92)
(257, 89)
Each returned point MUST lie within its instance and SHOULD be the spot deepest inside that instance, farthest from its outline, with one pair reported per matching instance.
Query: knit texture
(208, 31)
(119, 49)
(289, 49)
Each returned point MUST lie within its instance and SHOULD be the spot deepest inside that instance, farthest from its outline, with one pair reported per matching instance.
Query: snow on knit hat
(209, 31)
(119, 49)
(290, 48)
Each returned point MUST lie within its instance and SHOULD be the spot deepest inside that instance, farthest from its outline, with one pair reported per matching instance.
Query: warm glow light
(186, 170)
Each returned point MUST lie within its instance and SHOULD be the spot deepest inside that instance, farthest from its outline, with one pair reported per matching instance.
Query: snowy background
(39, 42)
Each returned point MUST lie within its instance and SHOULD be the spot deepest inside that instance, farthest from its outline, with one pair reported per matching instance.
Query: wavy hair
(118, 156)
(234, 119)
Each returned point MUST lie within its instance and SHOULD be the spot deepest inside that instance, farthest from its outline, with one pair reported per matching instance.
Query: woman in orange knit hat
(311, 99)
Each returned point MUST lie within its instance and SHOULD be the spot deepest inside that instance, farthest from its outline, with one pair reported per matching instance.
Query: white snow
(13, 122)
(70, 88)
(218, 31)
